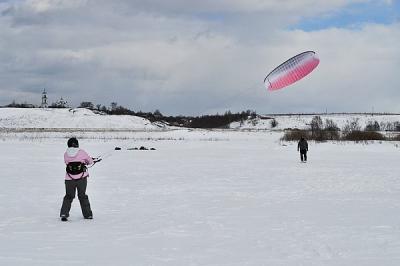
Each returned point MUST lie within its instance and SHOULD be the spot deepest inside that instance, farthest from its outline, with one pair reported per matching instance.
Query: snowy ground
(203, 198)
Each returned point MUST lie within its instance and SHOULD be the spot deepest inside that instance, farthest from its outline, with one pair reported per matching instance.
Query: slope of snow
(303, 121)
(69, 118)
(24, 118)
(204, 198)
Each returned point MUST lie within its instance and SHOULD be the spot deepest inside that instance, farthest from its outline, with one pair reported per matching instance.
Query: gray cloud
(191, 58)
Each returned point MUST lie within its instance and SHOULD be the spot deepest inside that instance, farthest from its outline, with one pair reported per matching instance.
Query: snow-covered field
(221, 197)
(203, 198)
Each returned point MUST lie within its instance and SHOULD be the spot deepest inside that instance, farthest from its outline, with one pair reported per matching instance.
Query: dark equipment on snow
(117, 148)
(141, 148)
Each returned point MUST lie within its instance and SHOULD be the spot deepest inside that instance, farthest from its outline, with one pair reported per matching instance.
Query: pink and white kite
(291, 70)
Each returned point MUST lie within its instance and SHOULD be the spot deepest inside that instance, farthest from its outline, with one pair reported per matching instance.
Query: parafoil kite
(291, 70)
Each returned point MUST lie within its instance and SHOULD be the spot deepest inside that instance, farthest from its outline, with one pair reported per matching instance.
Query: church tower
(44, 99)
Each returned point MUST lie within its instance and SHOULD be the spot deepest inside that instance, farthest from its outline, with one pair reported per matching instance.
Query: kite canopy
(291, 70)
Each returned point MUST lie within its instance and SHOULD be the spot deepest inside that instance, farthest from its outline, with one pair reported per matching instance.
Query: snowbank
(70, 118)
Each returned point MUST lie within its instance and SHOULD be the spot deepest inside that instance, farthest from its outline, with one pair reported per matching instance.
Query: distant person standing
(76, 176)
(302, 146)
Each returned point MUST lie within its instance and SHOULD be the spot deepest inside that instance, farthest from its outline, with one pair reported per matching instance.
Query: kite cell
(291, 70)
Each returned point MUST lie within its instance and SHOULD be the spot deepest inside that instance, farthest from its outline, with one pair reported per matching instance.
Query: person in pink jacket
(76, 176)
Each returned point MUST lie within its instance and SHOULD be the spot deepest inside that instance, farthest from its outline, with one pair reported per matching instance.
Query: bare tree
(316, 126)
(352, 125)
(372, 126)
(274, 123)
(88, 105)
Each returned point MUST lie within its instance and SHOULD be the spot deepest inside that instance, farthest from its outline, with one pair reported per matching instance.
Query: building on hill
(60, 104)
(44, 99)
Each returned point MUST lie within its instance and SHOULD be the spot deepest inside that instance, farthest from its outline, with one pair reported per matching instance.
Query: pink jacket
(77, 155)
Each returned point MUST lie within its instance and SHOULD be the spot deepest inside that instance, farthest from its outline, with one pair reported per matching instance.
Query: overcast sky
(195, 57)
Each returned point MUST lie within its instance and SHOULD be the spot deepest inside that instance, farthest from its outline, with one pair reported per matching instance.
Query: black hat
(73, 142)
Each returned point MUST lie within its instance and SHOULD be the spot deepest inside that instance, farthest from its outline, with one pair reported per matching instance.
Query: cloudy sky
(199, 57)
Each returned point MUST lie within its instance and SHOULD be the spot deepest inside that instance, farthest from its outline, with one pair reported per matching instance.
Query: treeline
(205, 121)
(221, 121)
(352, 131)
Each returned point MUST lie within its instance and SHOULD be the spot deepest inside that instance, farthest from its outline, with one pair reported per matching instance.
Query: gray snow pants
(70, 188)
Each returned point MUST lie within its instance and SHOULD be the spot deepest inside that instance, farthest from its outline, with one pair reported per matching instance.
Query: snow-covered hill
(70, 118)
(303, 121)
(23, 118)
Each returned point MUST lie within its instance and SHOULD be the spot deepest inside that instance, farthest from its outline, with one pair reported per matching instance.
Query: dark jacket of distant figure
(303, 145)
